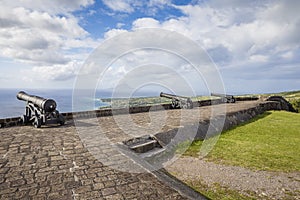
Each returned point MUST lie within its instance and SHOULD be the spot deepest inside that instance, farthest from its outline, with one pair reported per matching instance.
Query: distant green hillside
(293, 97)
(288, 95)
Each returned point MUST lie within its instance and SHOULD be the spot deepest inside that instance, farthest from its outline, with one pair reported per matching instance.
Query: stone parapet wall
(13, 121)
(219, 123)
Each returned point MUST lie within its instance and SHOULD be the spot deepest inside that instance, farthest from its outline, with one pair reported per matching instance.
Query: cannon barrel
(225, 97)
(178, 101)
(172, 96)
(48, 105)
(221, 95)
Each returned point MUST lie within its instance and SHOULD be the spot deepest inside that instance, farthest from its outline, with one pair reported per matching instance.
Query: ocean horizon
(12, 107)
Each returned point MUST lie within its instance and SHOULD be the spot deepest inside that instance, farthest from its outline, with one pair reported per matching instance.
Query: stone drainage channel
(148, 148)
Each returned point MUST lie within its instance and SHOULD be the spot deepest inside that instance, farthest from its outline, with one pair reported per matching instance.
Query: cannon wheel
(190, 105)
(232, 100)
(24, 119)
(183, 104)
(224, 100)
(37, 123)
(61, 119)
(175, 104)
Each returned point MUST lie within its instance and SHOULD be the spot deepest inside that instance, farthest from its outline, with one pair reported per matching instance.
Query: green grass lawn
(268, 142)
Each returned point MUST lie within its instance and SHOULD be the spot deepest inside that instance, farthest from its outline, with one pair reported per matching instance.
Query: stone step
(143, 144)
(153, 152)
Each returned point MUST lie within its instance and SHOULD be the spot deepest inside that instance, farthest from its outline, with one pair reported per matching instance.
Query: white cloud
(52, 7)
(149, 7)
(92, 12)
(43, 34)
(120, 5)
(148, 49)
(120, 25)
(258, 58)
(288, 55)
(159, 3)
(269, 28)
(145, 23)
(52, 73)
(113, 32)
(245, 38)
(239, 35)
(153, 6)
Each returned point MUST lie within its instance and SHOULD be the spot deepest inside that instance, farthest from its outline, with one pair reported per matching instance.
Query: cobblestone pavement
(58, 162)
(52, 163)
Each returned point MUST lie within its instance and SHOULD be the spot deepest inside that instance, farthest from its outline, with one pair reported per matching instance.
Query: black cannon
(225, 98)
(179, 101)
(39, 111)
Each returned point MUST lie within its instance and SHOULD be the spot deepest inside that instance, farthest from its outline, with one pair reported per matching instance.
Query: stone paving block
(48, 169)
(20, 194)
(59, 187)
(98, 186)
(17, 183)
(54, 179)
(114, 197)
(86, 181)
(71, 184)
(7, 196)
(39, 197)
(109, 183)
(83, 189)
(54, 196)
(33, 192)
(108, 191)
(8, 190)
(28, 187)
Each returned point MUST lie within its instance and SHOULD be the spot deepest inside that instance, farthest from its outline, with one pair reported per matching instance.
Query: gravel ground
(264, 184)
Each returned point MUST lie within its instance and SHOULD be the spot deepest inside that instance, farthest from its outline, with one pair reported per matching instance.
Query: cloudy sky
(254, 44)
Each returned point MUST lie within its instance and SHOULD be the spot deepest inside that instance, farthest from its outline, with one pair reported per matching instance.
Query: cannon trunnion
(178, 101)
(39, 111)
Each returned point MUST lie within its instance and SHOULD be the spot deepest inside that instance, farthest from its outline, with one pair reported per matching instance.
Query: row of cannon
(40, 111)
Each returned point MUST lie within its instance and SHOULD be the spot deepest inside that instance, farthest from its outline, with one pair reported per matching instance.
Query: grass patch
(270, 142)
(296, 104)
(218, 192)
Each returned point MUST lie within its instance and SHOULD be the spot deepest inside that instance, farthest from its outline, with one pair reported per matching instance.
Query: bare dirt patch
(261, 184)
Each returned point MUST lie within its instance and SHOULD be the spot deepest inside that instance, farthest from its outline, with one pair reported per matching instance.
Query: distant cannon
(225, 98)
(39, 111)
(178, 101)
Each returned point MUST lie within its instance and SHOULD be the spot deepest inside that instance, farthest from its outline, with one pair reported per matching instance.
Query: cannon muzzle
(48, 105)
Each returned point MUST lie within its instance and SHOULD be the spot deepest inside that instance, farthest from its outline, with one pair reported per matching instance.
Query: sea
(10, 106)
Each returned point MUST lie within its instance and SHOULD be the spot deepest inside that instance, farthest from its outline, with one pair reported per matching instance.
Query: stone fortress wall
(232, 119)
(54, 163)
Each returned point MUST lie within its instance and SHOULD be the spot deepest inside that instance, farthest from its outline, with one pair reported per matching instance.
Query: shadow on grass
(254, 119)
(192, 148)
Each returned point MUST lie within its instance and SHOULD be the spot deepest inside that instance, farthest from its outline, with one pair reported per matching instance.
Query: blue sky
(254, 44)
